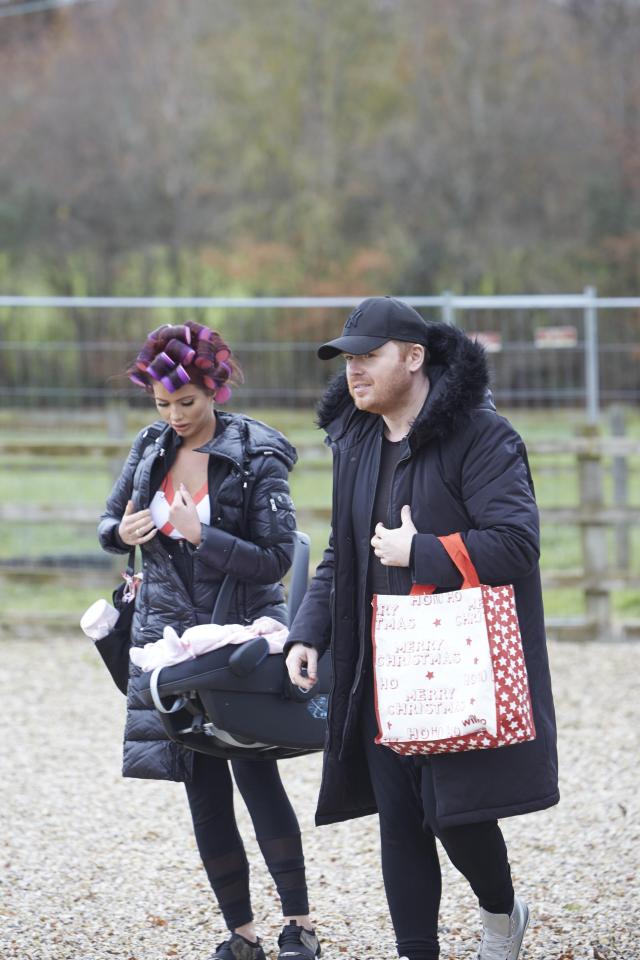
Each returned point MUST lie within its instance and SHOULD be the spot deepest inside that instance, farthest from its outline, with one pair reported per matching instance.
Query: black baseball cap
(374, 322)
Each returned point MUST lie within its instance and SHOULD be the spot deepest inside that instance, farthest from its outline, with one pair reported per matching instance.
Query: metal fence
(558, 350)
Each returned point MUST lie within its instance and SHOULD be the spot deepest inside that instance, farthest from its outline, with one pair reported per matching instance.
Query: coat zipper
(361, 636)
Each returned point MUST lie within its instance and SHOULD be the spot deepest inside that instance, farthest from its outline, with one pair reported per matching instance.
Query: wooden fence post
(593, 534)
(620, 471)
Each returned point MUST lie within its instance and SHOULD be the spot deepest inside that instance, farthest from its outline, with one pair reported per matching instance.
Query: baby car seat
(237, 702)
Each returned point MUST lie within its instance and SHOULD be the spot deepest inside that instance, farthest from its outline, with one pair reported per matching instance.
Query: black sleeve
(312, 624)
(118, 498)
(503, 538)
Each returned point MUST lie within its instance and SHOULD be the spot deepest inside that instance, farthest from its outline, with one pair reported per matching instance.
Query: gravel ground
(98, 867)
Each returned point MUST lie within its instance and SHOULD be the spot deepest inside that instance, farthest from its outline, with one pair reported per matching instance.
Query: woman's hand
(184, 516)
(136, 526)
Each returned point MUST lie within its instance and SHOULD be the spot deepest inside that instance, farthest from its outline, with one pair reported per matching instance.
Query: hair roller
(223, 394)
(198, 331)
(157, 334)
(186, 353)
(176, 379)
(205, 356)
(180, 332)
(161, 366)
(179, 351)
(146, 355)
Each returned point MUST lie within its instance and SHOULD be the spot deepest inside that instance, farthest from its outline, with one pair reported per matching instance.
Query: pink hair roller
(222, 394)
(204, 355)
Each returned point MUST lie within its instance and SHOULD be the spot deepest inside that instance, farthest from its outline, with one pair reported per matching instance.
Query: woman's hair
(189, 353)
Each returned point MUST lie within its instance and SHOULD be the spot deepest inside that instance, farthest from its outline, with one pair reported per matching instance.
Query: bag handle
(459, 555)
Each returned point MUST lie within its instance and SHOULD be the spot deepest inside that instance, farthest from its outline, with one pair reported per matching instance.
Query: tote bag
(450, 673)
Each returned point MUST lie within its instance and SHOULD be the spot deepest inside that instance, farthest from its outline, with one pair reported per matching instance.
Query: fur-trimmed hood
(459, 384)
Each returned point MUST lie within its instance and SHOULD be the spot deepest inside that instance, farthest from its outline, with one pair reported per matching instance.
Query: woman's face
(189, 410)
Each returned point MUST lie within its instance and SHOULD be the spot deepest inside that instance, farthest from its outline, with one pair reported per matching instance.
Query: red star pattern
(513, 705)
(429, 675)
(437, 622)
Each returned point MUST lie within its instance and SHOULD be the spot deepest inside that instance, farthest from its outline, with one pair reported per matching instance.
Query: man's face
(380, 381)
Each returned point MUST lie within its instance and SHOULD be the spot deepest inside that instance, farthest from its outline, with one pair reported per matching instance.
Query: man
(420, 452)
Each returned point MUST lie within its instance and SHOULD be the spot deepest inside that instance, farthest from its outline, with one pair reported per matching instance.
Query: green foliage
(186, 148)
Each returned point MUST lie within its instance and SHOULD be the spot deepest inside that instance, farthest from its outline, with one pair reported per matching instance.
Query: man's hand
(393, 547)
(298, 657)
(184, 516)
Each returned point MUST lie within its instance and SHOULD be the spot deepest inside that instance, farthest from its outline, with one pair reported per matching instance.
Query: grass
(29, 480)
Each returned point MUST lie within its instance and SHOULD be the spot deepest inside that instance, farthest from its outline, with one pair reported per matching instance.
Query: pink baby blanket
(171, 648)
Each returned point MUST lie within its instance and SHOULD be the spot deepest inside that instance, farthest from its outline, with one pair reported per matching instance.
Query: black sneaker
(296, 943)
(238, 948)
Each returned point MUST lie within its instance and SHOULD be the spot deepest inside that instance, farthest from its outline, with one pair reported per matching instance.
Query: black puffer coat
(463, 469)
(258, 556)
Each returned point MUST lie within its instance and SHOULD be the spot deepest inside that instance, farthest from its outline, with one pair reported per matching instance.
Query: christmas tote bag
(449, 669)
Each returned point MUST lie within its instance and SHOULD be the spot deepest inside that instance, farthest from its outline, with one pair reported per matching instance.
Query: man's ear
(416, 354)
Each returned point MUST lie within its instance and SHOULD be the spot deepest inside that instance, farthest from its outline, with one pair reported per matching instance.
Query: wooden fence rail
(593, 456)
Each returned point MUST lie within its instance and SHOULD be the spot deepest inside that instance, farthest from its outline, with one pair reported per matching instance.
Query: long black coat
(463, 469)
(258, 555)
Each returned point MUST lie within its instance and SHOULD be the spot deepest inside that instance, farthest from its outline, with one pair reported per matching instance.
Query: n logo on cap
(352, 319)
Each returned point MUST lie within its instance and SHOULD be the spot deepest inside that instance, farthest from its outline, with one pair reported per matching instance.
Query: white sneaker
(502, 933)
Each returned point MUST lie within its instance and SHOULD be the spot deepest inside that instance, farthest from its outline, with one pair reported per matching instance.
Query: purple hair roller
(206, 334)
(161, 366)
(176, 379)
(146, 356)
(223, 354)
(156, 334)
(198, 330)
(182, 332)
(226, 368)
(139, 382)
(179, 351)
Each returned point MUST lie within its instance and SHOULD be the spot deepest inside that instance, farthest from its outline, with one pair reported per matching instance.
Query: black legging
(410, 865)
(210, 795)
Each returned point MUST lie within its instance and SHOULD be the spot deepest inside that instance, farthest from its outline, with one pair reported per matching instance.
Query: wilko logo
(352, 319)
(472, 720)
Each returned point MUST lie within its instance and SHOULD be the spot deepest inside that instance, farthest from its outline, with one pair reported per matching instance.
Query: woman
(203, 494)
